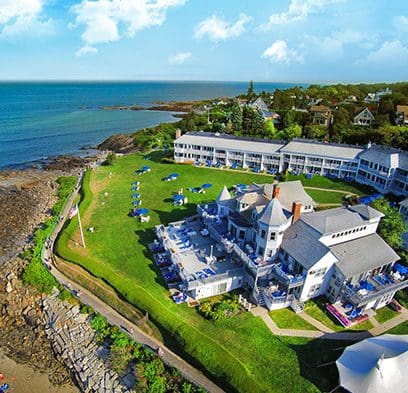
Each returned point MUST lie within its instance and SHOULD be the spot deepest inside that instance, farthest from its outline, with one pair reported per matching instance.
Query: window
(314, 289)
(263, 233)
(241, 234)
(272, 236)
(320, 272)
(260, 251)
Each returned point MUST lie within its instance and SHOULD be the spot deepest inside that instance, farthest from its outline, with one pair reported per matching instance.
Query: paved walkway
(114, 318)
(382, 328)
(323, 331)
(330, 190)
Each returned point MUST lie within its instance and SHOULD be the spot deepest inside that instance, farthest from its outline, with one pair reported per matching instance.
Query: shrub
(65, 295)
(110, 159)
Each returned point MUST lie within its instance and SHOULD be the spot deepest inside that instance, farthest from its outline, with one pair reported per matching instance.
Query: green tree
(293, 131)
(236, 117)
(270, 130)
(251, 93)
(392, 225)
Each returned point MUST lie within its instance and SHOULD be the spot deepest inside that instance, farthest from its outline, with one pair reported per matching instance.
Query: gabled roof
(302, 243)
(363, 254)
(290, 192)
(364, 111)
(224, 196)
(311, 147)
(273, 214)
(225, 141)
(333, 220)
(366, 212)
(320, 108)
(383, 155)
(259, 103)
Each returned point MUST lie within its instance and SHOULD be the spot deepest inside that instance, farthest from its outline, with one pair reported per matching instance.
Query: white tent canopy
(375, 365)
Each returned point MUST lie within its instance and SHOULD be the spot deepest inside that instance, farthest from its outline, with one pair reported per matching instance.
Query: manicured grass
(317, 359)
(240, 353)
(332, 184)
(326, 196)
(287, 319)
(399, 329)
(385, 314)
(316, 309)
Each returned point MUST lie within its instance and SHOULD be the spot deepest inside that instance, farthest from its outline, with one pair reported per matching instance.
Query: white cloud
(109, 20)
(391, 54)
(401, 23)
(217, 29)
(298, 10)
(86, 50)
(279, 52)
(179, 58)
(331, 47)
(23, 16)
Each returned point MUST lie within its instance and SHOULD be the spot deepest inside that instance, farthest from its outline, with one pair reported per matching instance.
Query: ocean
(45, 119)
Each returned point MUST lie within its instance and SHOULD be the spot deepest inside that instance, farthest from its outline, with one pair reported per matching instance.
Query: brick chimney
(296, 207)
(275, 192)
(178, 133)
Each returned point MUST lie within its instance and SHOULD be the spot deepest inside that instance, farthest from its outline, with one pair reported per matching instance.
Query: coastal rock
(119, 143)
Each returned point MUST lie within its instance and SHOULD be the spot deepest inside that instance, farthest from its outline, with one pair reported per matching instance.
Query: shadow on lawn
(317, 361)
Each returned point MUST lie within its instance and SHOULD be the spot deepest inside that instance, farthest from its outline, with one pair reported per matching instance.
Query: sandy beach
(24, 379)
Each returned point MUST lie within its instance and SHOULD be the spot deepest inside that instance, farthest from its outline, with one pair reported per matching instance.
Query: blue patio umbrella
(136, 202)
(145, 168)
(174, 175)
(142, 211)
(241, 186)
(178, 197)
(206, 185)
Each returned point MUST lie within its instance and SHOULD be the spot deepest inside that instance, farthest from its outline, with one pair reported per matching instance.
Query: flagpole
(80, 228)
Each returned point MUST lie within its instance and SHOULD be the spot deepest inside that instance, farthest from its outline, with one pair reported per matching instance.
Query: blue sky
(264, 40)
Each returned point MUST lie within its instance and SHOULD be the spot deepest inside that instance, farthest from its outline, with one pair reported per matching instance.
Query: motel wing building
(384, 168)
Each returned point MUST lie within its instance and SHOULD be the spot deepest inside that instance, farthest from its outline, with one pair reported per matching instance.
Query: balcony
(373, 288)
(290, 281)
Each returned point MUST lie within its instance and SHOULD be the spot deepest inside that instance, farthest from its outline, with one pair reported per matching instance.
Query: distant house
(364, 118)
(315, 101)
(375, 97)
(259, 104)
(272, 116)
(321, 115)
(401, 115)
(351, 99)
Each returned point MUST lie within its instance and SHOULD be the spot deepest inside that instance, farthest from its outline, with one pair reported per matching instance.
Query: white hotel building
(384, 168)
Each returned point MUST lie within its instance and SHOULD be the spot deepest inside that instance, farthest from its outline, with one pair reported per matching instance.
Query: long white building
(384, 168)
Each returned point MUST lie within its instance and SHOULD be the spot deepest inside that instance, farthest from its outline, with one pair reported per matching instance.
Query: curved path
(114, 318)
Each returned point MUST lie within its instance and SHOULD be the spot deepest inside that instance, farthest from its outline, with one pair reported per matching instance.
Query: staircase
(260, 299)
(296, 305)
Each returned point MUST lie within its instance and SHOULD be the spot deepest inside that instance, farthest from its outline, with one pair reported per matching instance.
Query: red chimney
(275, 192)
(296, 207)
(178, 133)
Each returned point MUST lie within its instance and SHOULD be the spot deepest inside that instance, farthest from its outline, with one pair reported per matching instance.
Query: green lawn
(326, 196)
(399, 329)
(240, 353)
(317, 359)
(384, 314)
(332, 184)
(316, 309)
(287, 319)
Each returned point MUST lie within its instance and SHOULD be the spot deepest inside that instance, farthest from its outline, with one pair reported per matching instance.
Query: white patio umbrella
(375, 365)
